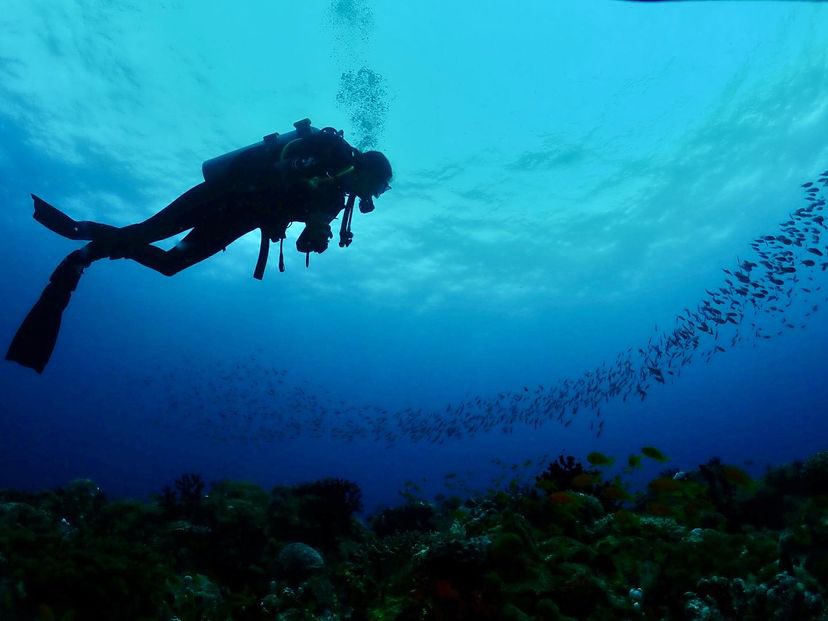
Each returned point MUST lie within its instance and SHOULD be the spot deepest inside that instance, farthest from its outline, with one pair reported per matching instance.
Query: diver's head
(371, 178)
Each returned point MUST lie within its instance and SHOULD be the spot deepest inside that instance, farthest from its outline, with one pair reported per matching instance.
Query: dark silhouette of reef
(573, 542)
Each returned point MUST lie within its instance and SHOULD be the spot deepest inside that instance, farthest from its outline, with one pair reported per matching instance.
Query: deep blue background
(560, 189)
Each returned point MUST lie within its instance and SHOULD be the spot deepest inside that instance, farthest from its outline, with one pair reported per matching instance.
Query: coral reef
(576, 543)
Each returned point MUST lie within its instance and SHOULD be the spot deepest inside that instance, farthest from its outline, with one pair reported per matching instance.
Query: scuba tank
(254, 158)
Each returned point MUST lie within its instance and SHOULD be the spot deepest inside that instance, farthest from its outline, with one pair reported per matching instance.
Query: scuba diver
(308, 175)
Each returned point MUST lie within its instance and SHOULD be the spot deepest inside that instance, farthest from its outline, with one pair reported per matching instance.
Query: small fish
(584, 480)
(614, 492)
(634, 461)
(653, 453)
(561, 498)
(737, 476)
(599, 459)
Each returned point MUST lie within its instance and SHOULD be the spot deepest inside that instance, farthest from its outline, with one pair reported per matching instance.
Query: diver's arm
(323, 201)
(315, 236)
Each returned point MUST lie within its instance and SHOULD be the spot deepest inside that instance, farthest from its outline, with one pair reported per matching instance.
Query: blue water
(569, 177)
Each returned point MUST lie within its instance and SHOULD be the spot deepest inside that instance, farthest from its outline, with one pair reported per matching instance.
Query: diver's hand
(314, 238)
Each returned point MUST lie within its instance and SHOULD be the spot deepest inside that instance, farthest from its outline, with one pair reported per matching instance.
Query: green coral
(706, 544)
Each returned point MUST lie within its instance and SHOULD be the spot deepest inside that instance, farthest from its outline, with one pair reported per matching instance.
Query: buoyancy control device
(255, 161)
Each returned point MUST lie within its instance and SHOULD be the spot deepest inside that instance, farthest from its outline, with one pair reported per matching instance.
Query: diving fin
(35, 340)
(54, 219)
(58, 222)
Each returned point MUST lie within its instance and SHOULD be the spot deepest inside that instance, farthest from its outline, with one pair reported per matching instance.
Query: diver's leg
(183, 213)
(200, 243)
(196, 205)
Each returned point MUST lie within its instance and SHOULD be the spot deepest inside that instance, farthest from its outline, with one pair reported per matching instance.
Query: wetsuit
(301, 184)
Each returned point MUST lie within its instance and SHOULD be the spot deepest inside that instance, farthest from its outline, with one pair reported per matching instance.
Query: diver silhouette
(307, 175)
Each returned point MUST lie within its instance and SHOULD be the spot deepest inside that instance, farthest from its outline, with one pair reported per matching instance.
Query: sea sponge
(298, 561)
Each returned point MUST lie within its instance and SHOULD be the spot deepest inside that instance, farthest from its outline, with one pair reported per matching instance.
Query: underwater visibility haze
(604, 232)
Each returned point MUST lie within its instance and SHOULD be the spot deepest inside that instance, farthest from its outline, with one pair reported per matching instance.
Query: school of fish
(251, 402)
